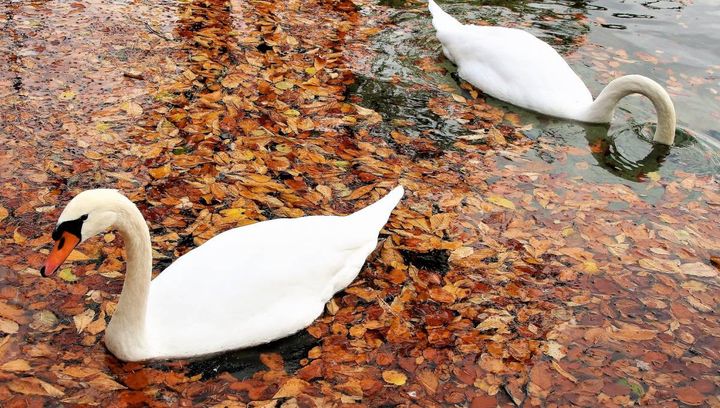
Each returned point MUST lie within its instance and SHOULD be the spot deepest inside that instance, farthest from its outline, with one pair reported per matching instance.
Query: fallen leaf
(291, 388)
(562, 371)
(34, 386)
(67, 275)
(698, 269)
(394, 377)
(160, 172)
(690, 396)
(16, 365)
(502, 202)
(132, 109)
(83, 319)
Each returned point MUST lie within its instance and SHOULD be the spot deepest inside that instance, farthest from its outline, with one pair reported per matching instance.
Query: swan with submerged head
(515, 66)
(244, 287)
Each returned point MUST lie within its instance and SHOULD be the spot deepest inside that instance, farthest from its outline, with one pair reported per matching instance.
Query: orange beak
(62, 249)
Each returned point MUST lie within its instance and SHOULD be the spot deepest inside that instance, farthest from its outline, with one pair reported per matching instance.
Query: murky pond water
(672, 42)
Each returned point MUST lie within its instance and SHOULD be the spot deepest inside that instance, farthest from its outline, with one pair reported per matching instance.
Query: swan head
(87, 214)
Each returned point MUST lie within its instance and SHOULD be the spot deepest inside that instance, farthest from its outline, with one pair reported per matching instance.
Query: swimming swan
(244, 287)
(515, 66)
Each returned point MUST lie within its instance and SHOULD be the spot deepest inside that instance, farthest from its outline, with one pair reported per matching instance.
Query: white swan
(515, 66)
(244, 287)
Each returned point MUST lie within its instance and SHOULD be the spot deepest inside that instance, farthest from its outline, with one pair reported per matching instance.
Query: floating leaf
(394, 377)
(502, 202)
(67, 275)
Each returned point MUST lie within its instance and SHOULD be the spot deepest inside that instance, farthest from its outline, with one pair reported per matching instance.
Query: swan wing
(253, 284)
(515, 66)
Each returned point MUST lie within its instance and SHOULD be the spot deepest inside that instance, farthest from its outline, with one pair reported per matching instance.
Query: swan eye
(73, 226)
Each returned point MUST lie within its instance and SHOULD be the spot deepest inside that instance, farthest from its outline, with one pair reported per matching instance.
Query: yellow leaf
(590, 267)
(160, 172)
(284, 85)
(102, 126)
(66, 96)
(77, 256)
(394, 377)
(67, 275)
(654, 175)
(18, 237)
(311, 70)
(233, 214)
(92, 155)
(3, 213)
(459, 98)
(502, 202)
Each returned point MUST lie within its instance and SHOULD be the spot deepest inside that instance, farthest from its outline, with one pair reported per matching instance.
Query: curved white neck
(601, 110)
(128, 322)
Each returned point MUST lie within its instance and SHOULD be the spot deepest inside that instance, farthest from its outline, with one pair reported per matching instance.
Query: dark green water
(670, 41)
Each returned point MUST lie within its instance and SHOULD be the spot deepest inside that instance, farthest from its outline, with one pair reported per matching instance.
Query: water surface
(672, 42)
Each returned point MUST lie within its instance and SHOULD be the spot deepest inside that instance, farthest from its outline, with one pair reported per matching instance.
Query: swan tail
(441, 20)
(374, 216)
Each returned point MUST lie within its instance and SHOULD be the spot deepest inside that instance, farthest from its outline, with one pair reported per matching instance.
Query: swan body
(244, 287)
(515, 66)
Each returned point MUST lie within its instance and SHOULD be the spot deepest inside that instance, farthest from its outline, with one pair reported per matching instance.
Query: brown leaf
(16, 365)
(428, 379)
(273, 361)
(441, 295)
(291, 388)
(690, 396)
(361, 191)
(562, 371)
(103, 382)
(12, 312)
(715, 260)
(34, 386)
(631, 333)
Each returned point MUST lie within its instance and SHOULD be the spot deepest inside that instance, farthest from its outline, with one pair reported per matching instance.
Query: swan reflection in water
(626, 150)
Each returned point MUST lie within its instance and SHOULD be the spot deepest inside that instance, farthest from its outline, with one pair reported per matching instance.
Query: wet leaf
(15, 365)
(67, 275)
(34, 386)
(690, 396)
(291, 388)
(394, 377)
(502, 202)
